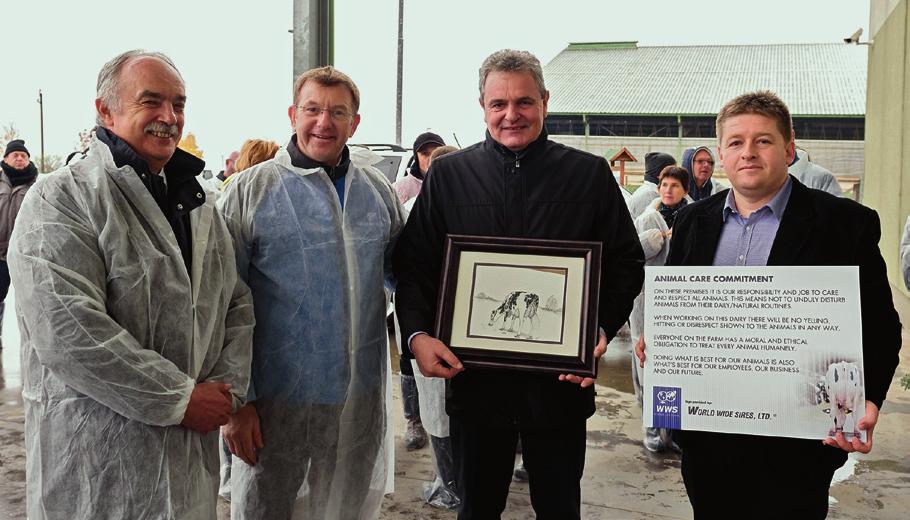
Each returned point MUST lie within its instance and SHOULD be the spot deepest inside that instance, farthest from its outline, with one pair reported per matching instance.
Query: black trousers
(746, 477)
(4, 279)
(485, 457)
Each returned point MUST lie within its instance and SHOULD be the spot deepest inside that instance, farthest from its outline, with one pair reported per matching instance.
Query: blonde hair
(440, 151)
(328, 76)
(253, 152)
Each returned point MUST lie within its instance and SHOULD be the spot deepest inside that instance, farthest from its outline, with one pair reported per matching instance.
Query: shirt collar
(776, 205)
(175, 188)
(301, 160)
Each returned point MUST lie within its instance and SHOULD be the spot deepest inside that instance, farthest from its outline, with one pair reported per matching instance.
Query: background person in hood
(655, 162)
(18, 175)
(699, 162)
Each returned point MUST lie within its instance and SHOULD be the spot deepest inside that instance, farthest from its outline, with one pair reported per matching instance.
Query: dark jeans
(4, 289)
(4, 280)
(485, 457)
(410, 397)
(749, 477)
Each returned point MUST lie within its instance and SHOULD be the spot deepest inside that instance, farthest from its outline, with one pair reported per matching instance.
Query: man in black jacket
(770, 218)
(516, 183)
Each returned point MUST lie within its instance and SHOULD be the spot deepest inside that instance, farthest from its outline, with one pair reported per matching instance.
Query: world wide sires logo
(667, 407)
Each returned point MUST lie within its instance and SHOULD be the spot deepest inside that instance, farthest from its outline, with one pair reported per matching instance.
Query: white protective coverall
(651, 229)
(115, 335)
(638, 202)
(319, 375)
(813, 175)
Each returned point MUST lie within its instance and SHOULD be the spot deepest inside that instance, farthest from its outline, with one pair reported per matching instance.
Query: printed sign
(757, 350)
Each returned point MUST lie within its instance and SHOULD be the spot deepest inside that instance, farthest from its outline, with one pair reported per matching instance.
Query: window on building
(823, 128)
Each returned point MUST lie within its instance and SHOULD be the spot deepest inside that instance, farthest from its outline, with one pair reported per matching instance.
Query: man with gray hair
(136, 329)
(516, 183)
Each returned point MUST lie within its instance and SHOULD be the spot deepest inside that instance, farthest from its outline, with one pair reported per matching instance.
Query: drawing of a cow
(520, 306)
(845, 394)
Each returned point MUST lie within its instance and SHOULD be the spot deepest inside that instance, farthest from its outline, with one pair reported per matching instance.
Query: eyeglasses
(705, 161)
(337, 114)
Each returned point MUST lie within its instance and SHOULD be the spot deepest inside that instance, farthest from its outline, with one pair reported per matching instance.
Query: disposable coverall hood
(696, 192)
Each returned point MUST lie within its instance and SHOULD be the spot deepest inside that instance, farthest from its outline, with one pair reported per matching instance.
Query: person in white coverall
(313, 231)
(813, 175)
(655, 228)
(655, 162)
(136, 330)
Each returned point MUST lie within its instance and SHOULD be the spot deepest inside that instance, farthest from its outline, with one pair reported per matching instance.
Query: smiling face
(702, 167)
(322, 136)
(150, 112)
(755, 155)
(513, 108)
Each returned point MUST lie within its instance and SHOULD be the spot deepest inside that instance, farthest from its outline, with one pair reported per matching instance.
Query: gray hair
(509, 60)
(109, 77)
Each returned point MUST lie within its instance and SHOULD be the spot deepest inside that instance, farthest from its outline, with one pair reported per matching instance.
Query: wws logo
(667, 407)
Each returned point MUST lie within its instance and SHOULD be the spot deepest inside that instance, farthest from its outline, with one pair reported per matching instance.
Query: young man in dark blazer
(770, 218)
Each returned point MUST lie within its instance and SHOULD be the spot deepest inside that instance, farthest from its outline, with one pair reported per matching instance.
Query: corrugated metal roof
(827, 79)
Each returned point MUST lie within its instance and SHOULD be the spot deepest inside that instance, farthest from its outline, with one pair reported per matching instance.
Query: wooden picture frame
(520, 304)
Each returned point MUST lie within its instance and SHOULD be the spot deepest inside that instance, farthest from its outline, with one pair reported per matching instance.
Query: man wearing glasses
(699, 162)
(313, 231)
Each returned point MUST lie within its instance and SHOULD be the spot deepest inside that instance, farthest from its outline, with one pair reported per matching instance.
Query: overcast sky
(235, 56)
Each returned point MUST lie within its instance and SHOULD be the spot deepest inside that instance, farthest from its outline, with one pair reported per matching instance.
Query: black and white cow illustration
(520, 306)
(843, 388)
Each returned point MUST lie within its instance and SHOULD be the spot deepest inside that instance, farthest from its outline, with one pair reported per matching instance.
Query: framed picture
(522, 304)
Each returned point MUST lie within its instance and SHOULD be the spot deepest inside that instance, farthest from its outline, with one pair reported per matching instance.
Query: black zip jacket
(547, 191)
(177, 198)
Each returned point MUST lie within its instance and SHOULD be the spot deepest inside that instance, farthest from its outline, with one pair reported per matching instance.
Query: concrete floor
(621, 481)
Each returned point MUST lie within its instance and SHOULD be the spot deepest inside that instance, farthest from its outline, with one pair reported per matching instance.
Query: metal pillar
(584, 121)
(679, 136)
(313, 34)
(400, 68)
(41, 112)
